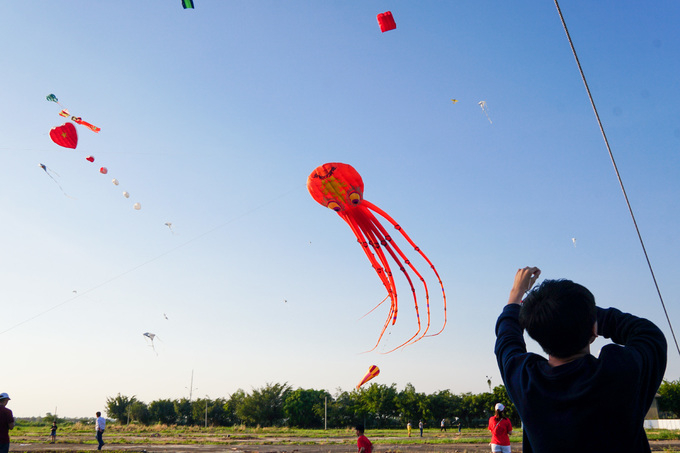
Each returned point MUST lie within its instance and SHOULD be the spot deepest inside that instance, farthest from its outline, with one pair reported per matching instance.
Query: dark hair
(559, 315)
(499, 415)
(99, 414)
(360, 428)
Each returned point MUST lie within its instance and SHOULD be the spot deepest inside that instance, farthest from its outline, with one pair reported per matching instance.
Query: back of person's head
(559, 315)
(499, 409)
(360, 428)
(99, 414)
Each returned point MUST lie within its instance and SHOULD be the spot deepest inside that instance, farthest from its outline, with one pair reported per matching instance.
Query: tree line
(376, 406)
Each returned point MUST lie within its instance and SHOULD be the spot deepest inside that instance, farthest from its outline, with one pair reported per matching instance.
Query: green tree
(343, 410)
(379, 400)
(264, 406)
(410, 405)
(139, 412)
(477, 408)
(219, 413)
(49, 418)
(213, 412)
(669, 397)
(118, 407)
(235, 404)
(305, 408)
(162, 411)
(199, 410)
(444, 405)
(183, 412)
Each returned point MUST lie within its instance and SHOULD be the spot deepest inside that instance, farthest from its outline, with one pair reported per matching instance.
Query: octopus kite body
(340, 187)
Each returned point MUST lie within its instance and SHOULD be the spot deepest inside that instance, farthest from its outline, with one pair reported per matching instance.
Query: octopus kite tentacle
(384, 274)
(417, 249)
(386, 239)
(385, 277)
(373, 232)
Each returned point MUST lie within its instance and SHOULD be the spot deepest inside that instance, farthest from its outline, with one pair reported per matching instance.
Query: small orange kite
(373, 371)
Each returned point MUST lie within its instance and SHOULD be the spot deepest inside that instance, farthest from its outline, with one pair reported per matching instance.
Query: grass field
(81, 437)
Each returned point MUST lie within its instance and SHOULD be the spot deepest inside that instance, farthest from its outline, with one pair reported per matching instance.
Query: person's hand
(524, 280)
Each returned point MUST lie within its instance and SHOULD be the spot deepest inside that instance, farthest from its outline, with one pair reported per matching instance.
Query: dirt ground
(318, 446)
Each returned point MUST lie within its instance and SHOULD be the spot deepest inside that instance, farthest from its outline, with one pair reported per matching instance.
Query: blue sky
(213, 118)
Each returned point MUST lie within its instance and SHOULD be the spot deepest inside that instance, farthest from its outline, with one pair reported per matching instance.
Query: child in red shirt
(363, 444)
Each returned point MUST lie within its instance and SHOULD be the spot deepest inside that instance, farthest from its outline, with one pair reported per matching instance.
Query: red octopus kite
(340, 188)
(373, 371)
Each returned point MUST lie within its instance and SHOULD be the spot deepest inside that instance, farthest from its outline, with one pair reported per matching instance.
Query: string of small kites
(66, 136)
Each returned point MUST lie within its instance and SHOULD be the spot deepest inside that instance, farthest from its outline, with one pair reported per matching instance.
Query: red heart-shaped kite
(65, 135)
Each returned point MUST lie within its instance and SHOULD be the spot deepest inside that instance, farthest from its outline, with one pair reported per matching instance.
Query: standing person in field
(408, 428)
(363, 444)
(6, 422)
(53, 432)
(443, 425)
(573, 401)
(100, 426)
(420, 426)
(500, 428)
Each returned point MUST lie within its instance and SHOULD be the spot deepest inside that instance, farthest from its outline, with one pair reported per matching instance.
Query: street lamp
(206, 410)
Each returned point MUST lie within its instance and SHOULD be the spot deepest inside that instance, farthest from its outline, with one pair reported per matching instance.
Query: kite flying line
(618, 175)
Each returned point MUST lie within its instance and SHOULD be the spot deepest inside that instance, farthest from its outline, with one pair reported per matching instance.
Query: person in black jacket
(573, 401)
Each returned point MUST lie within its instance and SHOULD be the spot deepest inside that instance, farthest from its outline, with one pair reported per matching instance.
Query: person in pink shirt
(500, 428)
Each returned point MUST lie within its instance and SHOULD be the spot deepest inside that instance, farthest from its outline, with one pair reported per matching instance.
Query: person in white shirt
(100, 426)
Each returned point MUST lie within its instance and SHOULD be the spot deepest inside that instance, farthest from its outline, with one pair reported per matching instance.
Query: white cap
(500, 407)
(4, 396)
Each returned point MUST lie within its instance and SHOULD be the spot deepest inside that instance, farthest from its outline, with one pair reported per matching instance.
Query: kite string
(618, 175)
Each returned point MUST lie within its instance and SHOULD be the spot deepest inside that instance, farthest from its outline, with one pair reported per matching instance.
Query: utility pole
(325, 413)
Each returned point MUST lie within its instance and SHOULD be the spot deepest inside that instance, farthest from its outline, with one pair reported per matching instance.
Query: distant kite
(482, 104)
(76, 119)
(79, 120)
(386, 21)
(188, 4)
(52, 98)
(65, 135)
(573, 240)
(151, 336)
(454, 100)
(339, 187)
(49, 173)
(373, 371)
